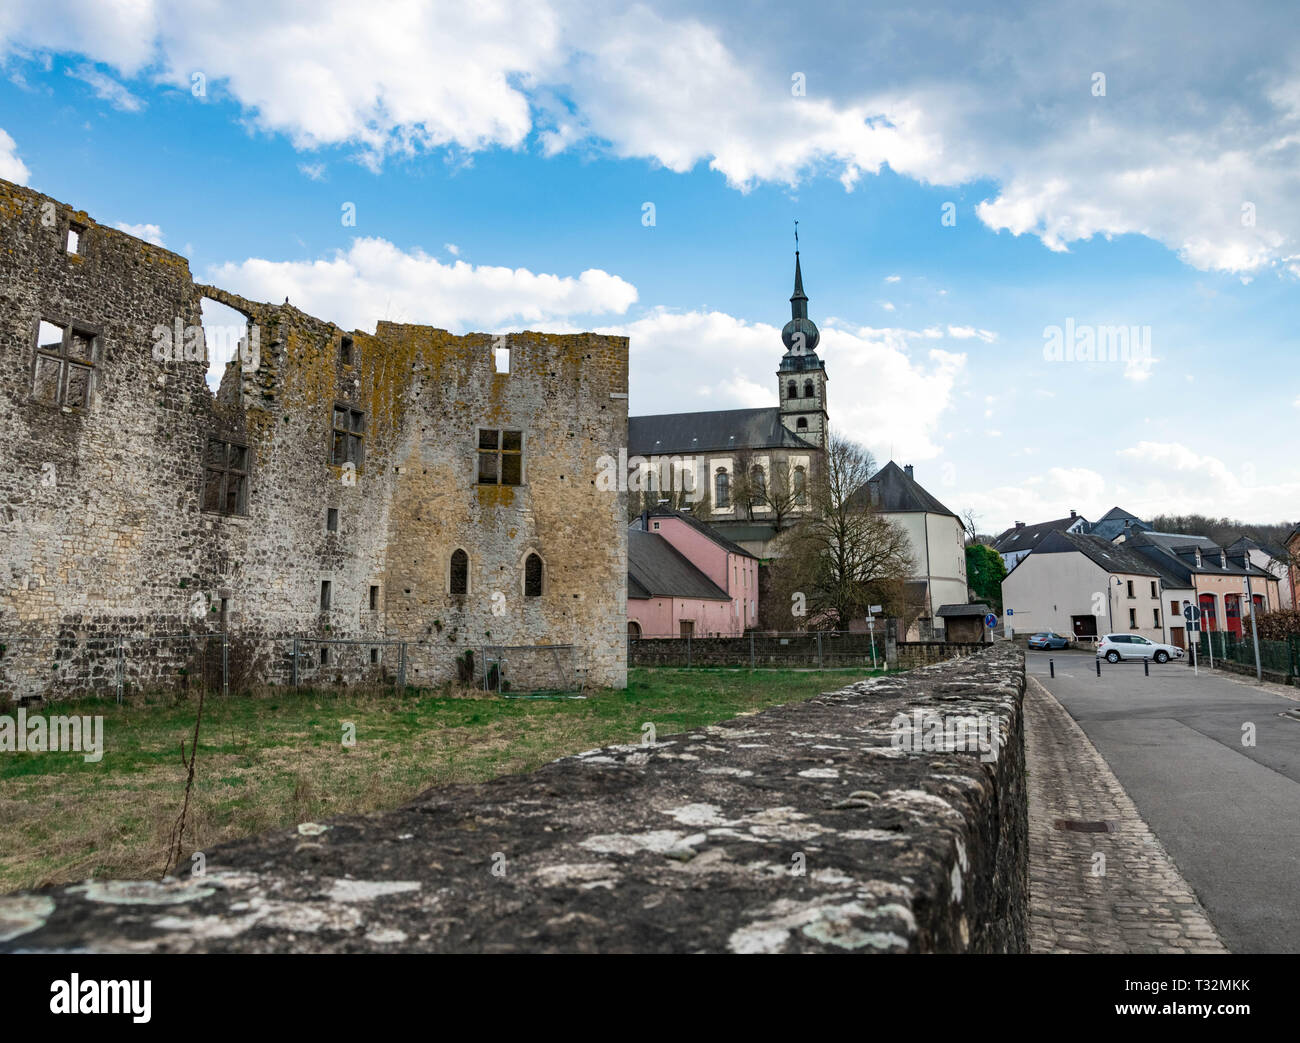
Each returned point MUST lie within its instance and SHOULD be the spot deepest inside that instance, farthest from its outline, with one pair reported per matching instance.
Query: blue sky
(500, 160)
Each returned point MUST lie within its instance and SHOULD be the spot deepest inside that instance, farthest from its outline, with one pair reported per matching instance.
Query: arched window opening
(808, 389)
(459, 573)
(801, 424)
(800, 485)
(758, 479)
(792, 390)
(533, 576)
(722, 488)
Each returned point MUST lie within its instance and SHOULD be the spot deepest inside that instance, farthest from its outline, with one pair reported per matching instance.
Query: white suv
(1114, 647)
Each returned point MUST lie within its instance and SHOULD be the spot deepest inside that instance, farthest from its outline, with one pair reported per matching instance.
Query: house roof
(891, 490)
(1026, 537)
(1112, 523)
(1113, 557)
(1248, 543)
(655, 568)
(700, 527)
(949, 611)
(721, 429)
(1180, 549)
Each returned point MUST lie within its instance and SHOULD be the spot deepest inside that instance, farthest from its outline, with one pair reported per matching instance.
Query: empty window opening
(223, 329)
(225, 478)
(500, 457)
(331, 519)
(225, 611)
(324, 655)
(324, 595)
(801, 424)
(374, 657)
(533, 576)
(808, 391)
(374, 598)
(75, 232)
(791, 389)
(65, 365)
(459, 573)
(345, 351)
(349, 430)
(501, 360)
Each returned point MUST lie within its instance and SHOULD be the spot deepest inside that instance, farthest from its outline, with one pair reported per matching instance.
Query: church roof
(721, 429)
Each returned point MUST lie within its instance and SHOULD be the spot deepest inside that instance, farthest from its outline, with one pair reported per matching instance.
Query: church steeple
(801, 378)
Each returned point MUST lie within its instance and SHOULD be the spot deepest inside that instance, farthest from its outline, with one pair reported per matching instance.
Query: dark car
(1049, 640)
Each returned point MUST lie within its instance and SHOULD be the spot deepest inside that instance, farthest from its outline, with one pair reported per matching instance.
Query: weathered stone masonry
(102, 526)
(688, 845)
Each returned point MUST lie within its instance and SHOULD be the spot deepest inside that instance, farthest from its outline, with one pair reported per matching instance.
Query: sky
(975, 187)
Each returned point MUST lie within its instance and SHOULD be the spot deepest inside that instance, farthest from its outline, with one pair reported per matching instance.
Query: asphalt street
(1226, 811)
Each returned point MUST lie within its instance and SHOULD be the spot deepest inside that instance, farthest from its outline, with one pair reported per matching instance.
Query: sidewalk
(1104, 892)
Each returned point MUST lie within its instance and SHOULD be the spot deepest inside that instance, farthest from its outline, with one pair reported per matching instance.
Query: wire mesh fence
(1275, 657)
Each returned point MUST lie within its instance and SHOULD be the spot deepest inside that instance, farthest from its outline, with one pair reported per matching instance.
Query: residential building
(662, 596)
(1020, 539)
(1210, 577)
(1293, 565)
(937, 538)
(1081, 585)
(1272, 560)
(1115, 522)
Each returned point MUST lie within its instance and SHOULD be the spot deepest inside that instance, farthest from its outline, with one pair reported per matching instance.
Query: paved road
(1228, 814)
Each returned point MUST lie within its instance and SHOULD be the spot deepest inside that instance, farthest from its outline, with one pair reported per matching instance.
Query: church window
(800, 485)
(808, 389)
(722, 488)
(791, 390)
(758, 479)
(802, 423)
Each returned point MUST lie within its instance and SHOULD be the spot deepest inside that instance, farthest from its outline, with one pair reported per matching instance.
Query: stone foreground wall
(685, 846)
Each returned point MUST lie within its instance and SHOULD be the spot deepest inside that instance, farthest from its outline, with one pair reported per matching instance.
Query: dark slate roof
(1113, 557)
(655, 568)
(1180, 548)
(721, 429)
(698, 526)
(1026, 537)
(891, 489)
(1249, 543)
(1111, 524)
(977, 609)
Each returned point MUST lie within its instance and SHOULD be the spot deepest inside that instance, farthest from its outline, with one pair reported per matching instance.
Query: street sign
(990, 620)
(1011, 612)
(1192, 613)
(871, 624)
(876, 608)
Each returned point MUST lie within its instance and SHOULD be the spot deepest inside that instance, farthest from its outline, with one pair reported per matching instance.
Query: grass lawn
(278, 759)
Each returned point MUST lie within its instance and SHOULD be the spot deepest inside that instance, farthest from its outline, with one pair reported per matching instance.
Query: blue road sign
(990, 620)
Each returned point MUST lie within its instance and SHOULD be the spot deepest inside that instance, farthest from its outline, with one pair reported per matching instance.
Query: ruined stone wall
(101, 515)
(807, 827)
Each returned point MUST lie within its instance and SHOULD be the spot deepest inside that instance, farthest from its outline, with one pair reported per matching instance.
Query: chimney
(1073, 514)
(1020, 525)
(908, 470)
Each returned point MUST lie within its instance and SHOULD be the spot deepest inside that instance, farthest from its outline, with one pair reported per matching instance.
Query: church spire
(800, 334)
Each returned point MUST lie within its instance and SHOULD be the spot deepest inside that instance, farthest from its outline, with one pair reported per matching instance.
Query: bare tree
(845, 554)
(776, 492)
(669, 484)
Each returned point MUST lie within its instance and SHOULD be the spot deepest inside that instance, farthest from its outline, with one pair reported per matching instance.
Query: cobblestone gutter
(804, 828)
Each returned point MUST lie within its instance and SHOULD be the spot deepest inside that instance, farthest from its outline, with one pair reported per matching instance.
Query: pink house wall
(737, 574)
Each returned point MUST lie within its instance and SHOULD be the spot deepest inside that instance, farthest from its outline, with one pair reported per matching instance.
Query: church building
(744, 471)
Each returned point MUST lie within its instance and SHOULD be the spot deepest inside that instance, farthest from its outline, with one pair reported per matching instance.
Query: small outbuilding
(964, 623)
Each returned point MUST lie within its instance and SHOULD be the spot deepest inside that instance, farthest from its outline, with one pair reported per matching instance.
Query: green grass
(278, 759)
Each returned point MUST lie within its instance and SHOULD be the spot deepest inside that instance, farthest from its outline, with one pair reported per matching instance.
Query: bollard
(1146, 666)
(1099, 666)
(1051, 667)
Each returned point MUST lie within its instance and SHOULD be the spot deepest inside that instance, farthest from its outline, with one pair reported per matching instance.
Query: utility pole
(1254, 630)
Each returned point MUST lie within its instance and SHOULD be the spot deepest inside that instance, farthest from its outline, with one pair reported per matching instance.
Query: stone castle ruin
(404, 486)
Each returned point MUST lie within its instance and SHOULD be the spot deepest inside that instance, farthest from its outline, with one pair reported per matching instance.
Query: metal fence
(1280, 658)
(821, 650)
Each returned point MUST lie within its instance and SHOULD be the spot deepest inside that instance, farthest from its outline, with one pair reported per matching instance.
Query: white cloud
(1173, 477)
(149, 233)
(373, 279)
(106, 87)
(11, 167)
(1200, 121)
(969, 332)
(893, 278)
(452, 249)
(315, 171)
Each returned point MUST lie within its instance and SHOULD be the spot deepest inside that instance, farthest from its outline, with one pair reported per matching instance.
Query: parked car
(1049, 640)
(1114, 647)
